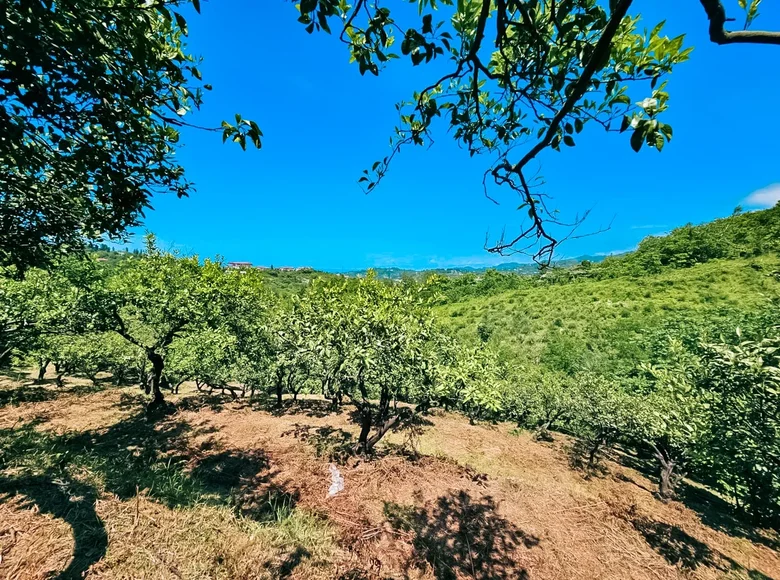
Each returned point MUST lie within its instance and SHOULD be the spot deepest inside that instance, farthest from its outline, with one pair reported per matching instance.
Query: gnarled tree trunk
(156, 378)
(667, 477)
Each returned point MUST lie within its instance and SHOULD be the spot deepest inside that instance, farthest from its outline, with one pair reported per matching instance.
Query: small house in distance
(239, 265)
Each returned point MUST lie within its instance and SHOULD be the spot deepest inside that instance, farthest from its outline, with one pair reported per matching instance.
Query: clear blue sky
(296, 202)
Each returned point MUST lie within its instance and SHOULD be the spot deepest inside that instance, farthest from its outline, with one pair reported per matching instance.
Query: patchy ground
(220, 489)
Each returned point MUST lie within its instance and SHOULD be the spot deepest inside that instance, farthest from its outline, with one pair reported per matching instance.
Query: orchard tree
(153, 299)
(373, 343)
(742, 447)
(45, 304)
(247, 314)
(93, 94)
(673, 418)
(602, 413)
(523, 77)
(476, 378)
(204, 355)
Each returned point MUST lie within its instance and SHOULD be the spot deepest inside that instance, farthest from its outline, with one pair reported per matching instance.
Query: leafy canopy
(529, 73)
(92, 96)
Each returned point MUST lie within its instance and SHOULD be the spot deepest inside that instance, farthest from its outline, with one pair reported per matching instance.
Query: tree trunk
(380, 432)
(666, 486)
(5, 354)
(543, 432)
(44, 364)
(143, 379)
(366, 421)
(600, 441)
(157, 369)
(666, 475)
(279, 388)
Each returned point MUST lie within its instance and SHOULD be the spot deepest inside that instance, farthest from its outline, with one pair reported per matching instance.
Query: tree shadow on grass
(720, 515)
(318, 408)
(64, 474)
(26, 394)
(290, 563)
(678, 547)
(74, 503)
(331, 443)
(713, 510)
(459, 536)
(681, 549)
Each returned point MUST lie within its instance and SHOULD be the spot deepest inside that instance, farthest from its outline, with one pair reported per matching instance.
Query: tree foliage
(92, 96)
(742, 386)
(534, 73)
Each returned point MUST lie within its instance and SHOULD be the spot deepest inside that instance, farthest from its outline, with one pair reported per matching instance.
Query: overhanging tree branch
(719, 35)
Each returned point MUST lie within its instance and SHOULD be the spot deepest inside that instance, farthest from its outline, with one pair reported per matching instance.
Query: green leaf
(181, 22)
(659, 141)
(637, 138)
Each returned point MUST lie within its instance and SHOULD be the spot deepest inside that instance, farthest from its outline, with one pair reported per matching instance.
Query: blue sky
(296, 202)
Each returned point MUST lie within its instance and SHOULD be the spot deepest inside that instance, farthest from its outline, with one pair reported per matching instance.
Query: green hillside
(605, 315)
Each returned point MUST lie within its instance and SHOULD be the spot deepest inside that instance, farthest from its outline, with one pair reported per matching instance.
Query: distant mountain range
(515, 267)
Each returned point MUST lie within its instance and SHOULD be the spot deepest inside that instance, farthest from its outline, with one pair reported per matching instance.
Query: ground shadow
(308, 407)
(74, 503)
(681, 549)
(26, 394)
(330, 443)
(460, 536)
(137, 455)
(579, 459)
(290, 563)
(678, 547)
(719, 514)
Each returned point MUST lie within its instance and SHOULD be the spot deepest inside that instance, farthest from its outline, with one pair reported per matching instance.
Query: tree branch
(600, 53)
(719, 35)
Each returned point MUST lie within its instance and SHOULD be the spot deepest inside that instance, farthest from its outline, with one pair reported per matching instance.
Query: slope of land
(598, 318)
(223, 489)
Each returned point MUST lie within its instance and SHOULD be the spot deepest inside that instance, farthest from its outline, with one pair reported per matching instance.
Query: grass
(218, 507)
(608, 318)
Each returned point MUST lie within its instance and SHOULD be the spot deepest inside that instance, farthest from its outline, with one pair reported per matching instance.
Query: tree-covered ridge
(742, 235)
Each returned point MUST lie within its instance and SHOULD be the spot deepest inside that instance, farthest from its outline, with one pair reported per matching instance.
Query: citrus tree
(742, 448)
(673, 418)
(152, 300)
(602, 413)
(369, 341)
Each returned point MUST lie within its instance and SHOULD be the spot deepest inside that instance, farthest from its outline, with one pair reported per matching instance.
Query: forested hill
(742, 235)
(715, 277)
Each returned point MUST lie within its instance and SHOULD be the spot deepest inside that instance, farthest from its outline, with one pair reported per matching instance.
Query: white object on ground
(336, 481)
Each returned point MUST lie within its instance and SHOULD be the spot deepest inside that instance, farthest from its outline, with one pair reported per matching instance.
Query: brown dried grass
(476, 501)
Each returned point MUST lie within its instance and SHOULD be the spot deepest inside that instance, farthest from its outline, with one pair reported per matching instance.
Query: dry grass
(235, 491)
